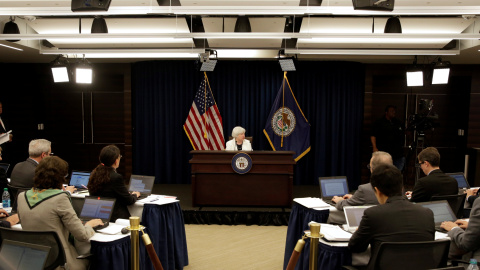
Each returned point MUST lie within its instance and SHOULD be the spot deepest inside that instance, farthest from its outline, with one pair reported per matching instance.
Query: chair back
(411, 255)
(14, 191)
(56, 256)
(456, 202)
(248, 138)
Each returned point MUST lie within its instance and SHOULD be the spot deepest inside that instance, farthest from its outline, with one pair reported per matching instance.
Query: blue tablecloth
(300, 216)
(164, 224)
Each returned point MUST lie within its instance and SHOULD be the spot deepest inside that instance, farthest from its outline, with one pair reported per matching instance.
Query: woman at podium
(238, 143)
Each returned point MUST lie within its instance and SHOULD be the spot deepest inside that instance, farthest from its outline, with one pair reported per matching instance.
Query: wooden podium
(268, 183)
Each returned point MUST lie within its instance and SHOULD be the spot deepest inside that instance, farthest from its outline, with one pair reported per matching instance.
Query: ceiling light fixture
(441, 72)
(208, 64)
(243, 24)
(286, 63)
(83, 72)
(11, 28)
(371, 52)
(385, 5)
(99, 26)
(60, 70)
(414, 75)
(393, 25)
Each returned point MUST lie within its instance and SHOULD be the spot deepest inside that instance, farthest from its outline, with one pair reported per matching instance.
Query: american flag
(204, 125)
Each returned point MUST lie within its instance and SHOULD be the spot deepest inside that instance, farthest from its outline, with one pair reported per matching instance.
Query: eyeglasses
(120, 156)
(368, 166)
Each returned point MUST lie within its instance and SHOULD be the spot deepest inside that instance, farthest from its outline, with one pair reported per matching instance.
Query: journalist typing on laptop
(46, 207)
(106, 182)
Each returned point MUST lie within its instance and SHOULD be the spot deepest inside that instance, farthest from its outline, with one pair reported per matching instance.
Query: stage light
(393, 26)
(83, 72)
(441, 72)
(99, 26)
(11, 28)
(207, 63)
(60, 70)
(414, 75)
(286, 63)
(242, 25)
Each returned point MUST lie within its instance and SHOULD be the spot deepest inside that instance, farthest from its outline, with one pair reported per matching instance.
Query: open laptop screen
(141, 183)
(22, 256)
(462, 182)
(97, 207)
(79, 179)
(441, 211)
(333, 186)
(354, 214)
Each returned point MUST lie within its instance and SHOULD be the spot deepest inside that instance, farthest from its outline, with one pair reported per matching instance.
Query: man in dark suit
(395, 219)
(365, 194)
(435, 182)
(23, 172)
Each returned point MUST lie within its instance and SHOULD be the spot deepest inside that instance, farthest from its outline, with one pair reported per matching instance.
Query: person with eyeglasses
(435, 182)
(106, 182)
(23, 172)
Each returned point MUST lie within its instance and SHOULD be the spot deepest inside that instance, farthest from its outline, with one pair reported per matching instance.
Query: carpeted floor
(222, 247)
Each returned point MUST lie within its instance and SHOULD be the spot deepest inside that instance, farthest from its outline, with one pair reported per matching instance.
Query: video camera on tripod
(425, 119)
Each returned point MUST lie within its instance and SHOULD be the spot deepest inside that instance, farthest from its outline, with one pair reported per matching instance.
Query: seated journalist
(465, 235)
(238, 143)
(435, 182)
(365, 195)
(395, 219)
(47, 207)
(106, 182)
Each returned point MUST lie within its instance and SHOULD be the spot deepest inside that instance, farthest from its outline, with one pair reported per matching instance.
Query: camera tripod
(418, 144)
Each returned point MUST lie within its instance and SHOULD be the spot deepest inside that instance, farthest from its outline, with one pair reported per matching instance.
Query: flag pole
(283, 102)
(209, 88)
(205, 104)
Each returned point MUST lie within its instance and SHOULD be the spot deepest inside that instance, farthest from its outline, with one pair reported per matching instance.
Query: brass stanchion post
(314, 238)
(135, 250)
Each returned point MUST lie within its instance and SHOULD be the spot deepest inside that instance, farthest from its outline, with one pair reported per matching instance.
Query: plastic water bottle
(473, 265)
(5, 198)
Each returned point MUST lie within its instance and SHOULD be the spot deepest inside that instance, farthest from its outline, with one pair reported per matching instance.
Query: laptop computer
(441, 212)
(460, 177)
(332, 186)
(79, 179)
(23, 256)
(353, 215)
(5, 166)
(97, 207)
(142, 184)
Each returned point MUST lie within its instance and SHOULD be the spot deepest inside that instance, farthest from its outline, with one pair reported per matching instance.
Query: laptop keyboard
(329, 202)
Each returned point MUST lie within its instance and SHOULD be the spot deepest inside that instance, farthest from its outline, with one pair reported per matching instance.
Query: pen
(84, 186)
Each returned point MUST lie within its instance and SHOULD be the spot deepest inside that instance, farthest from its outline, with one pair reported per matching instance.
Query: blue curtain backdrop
(331, 95)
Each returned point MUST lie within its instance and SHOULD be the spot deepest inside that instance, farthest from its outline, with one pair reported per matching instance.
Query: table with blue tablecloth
(331, 256)
(164, 224)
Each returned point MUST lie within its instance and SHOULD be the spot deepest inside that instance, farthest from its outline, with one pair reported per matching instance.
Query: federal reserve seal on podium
(241, 163)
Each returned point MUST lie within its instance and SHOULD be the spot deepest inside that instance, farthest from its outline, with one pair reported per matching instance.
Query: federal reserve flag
(287, 129)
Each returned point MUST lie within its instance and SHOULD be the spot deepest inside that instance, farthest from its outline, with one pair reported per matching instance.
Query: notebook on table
(353, 215)
(332, 186)
(460, 177)
(142, 184)
(23, 256)
(4, 166)
(441, 212)
(79, 180)
(97, 207)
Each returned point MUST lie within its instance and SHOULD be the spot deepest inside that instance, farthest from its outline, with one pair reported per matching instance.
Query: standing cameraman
(388, 136)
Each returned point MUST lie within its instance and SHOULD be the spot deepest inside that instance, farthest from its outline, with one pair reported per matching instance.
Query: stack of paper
(159, 199)
(334, 233)
(315, 203)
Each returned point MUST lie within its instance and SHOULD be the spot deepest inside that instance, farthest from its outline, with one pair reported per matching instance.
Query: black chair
(410, 255)
(55, 258)
(450, 268)
(14, 191)
(456, 202)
